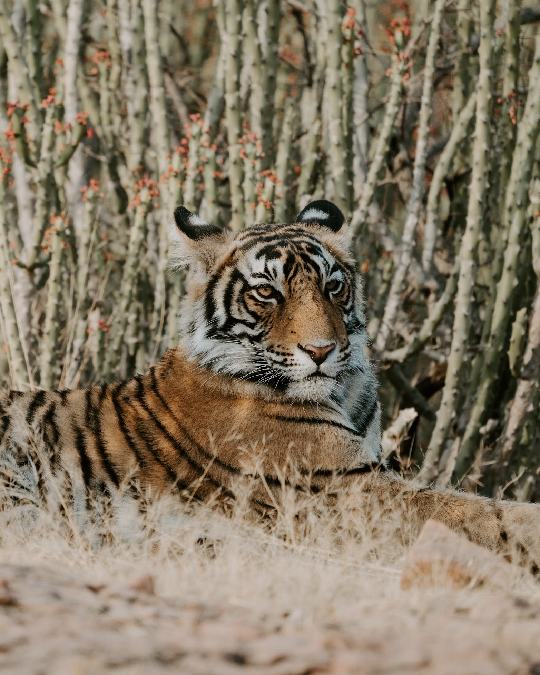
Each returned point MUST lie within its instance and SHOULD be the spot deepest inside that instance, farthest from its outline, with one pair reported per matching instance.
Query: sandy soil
(63, 622)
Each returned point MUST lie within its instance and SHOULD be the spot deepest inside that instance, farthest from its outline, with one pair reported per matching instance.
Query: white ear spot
(314, 214)
(322, 212)
(194, 219)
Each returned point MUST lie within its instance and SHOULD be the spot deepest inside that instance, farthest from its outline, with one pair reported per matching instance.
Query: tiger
(271, 379)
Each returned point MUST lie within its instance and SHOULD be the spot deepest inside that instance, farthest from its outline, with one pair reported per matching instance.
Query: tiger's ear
(193, 240)
(321, 212)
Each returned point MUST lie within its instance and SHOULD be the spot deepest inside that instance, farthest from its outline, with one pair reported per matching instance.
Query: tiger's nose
(318, 353)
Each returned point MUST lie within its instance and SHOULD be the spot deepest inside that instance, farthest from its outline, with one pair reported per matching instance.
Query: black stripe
(154, 386)
(93, 420)
(180, 449)
(148, 442)
(122, 424)
(228, 293)
(149, 445)
(64, 393)
(368, 419)
(13, 394)
(86, 464)
(209, 304)
(4, 425)
(51, 435)
(279, 237)
(37, 401)
(103, 389)
(366, 468)
(316, 421)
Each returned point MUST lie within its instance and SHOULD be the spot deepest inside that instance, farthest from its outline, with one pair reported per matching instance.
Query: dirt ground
(55, 621)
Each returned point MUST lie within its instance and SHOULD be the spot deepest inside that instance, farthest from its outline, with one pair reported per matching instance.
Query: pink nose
(318, 354)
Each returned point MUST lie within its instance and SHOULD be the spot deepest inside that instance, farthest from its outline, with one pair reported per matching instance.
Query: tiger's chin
(316, 388)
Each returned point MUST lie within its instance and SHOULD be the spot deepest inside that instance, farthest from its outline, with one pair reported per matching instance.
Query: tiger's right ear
(194, 240)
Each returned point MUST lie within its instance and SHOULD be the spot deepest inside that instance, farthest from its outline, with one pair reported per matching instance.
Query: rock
(144, 584)
(440, 557)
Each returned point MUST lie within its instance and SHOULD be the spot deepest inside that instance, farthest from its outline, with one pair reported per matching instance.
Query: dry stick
(190, 197)
(176, 290)
(477, 191)
(25, 89)
(254, 155)
(360, 106)
(212, 118)
(459, 131)
(310, 160)
(461, 83)
(515, 220)
(251, 162)
(410, 393)
(431, 322)
(33, 43)
(511, 48)
(269, 58)
(18, 365)
(216, 99)
(158, 109)
(231, 41)
(311, 114)
(136, 81)
(44, 182)
(347, 52)
(334, 105)
(115, 74)
(51, 331)
(129, 282)
(83, 274)
(157, 88)
(209, 207)
(71, 58)
(509, 92)
(391, 110)
(417, 191)
(258, 71)
(528, 383)
(283, 156)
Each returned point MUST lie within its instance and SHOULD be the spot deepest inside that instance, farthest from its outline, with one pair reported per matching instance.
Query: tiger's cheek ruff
(219, 330)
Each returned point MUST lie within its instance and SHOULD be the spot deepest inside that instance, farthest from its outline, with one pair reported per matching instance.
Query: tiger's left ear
(193, 240)
(322, 212)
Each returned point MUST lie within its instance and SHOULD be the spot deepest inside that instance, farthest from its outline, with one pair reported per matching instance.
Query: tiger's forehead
(279, 252)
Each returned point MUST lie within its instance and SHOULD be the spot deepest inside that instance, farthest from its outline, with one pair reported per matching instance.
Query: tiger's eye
(265, 291)
(334, 286)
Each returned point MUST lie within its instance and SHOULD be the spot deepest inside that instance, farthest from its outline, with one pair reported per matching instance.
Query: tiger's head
(277, 305)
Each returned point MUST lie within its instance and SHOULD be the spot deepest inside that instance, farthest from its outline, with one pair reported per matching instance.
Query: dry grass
(186, 588)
